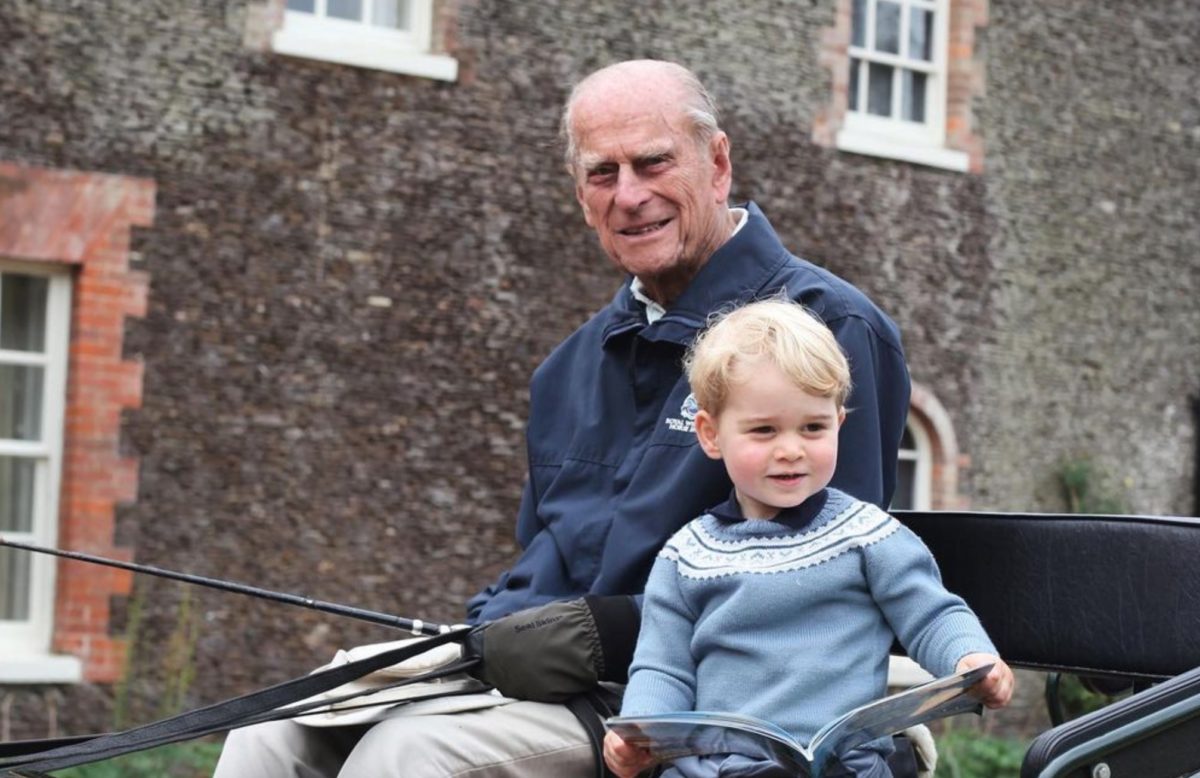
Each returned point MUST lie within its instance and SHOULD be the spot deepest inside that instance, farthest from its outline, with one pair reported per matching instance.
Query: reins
(289, 699)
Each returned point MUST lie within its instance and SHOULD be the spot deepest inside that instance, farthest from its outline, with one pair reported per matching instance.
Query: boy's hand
(995, 689)
(624, 759)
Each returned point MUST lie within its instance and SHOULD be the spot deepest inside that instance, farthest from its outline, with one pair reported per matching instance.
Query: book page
(671, 735)
(937, 699)
(685, 733)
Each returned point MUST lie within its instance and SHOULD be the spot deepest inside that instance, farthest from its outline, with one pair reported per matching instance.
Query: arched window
(914, 471)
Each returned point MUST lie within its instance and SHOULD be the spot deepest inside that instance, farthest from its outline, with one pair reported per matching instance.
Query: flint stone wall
(353, 273)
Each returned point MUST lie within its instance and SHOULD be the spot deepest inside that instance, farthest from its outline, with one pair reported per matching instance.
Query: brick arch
(947, 460)
(83, 221)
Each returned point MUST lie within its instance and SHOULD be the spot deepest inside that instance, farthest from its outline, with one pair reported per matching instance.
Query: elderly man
(614, 468)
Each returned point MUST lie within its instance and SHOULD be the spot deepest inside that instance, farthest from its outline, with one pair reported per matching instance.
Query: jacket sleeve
(540, 553)
(877, 411)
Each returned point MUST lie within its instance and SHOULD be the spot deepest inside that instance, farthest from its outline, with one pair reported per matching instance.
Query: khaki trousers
(513, 739)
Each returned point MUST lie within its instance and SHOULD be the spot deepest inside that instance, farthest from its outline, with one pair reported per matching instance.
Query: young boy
(782, 602)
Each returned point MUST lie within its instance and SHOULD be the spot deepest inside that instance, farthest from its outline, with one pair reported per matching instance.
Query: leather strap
(591, 709)
(253, 708)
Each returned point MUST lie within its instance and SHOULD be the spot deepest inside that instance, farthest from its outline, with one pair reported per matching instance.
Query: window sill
(875, 146)
(410, 63)
(40, 668)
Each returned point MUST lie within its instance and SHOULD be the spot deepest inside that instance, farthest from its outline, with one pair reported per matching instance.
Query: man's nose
(631, 191)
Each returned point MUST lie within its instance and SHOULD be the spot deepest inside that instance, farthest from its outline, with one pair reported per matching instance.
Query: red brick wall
(84, 220)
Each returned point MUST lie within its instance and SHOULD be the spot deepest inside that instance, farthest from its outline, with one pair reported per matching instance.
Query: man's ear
(706, 434)
(722, 167)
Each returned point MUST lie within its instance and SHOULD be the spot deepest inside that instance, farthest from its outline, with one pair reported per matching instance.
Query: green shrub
(194, 759)
(968, 754)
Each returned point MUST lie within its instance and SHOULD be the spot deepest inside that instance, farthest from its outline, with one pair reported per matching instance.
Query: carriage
(1113, 599)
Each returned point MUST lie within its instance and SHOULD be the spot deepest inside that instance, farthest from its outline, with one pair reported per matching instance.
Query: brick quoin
(83, 220)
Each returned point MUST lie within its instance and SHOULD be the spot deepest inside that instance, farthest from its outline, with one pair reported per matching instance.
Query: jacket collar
(737, 272)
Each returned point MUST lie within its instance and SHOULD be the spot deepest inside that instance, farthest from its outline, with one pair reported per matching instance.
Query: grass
(195, 759)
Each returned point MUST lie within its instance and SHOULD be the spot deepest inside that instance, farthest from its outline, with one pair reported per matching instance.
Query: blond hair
(780, 330)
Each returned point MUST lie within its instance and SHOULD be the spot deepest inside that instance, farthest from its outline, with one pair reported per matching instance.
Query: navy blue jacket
(614, 466)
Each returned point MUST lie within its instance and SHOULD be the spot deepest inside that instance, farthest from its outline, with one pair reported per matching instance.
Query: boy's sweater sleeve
(663, 674)
(936, 627)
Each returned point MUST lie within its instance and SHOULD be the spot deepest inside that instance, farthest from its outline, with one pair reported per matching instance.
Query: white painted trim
(876, 146)
(32, 637)
(40, 668)
(361, 45)
(923, 472)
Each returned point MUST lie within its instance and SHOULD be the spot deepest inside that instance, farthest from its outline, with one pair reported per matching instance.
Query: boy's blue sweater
(791, 620)
(614, 468)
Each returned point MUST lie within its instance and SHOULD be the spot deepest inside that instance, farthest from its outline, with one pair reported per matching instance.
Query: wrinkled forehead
(627, 126)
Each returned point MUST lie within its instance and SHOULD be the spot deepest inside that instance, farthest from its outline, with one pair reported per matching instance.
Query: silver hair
(701, 111)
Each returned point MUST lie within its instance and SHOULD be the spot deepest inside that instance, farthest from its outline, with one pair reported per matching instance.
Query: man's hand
(624, 759)
(996, 688)
(556, 651)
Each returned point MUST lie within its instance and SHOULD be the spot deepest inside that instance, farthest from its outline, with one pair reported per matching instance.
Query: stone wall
(352, 274)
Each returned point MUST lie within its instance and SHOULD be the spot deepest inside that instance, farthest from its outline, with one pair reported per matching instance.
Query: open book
(672, 735)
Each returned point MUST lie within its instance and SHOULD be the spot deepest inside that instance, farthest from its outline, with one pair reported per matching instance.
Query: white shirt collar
(654, 311)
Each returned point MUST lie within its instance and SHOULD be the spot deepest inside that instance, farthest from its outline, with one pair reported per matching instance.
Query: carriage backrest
(1094, 595)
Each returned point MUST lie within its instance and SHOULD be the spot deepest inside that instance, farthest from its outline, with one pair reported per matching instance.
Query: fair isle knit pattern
(791, 619)
(700, 553)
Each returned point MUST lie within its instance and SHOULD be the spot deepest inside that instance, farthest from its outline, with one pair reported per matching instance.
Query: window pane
(887, 27)
(855, 70)
(920, 34)
(21, 402)
(879, 89)
(307, 6)
(391, 13)
(14, 584)
(906, 476)
(16, 494)
(858, 23)
(23, 312)
(912, 95)
(344, 9)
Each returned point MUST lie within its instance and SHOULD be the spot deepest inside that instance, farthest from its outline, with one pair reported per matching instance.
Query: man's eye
(600, 174)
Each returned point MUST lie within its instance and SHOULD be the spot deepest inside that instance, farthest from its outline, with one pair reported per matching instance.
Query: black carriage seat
(1112, 597)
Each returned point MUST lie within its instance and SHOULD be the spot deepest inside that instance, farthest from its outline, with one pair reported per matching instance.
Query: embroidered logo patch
(686, 421)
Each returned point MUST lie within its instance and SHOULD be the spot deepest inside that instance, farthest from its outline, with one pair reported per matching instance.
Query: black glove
(556, 651)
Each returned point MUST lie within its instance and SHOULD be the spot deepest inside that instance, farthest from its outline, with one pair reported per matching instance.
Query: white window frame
(922, 143)
(25, 645)
(361, 44)
(922, 456)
